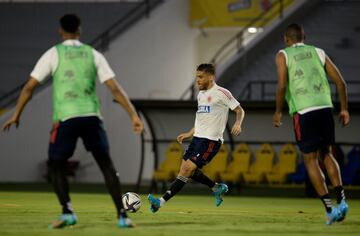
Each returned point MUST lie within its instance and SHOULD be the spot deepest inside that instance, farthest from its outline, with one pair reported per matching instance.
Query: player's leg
(186, 170)
(219, 189)
(200, 177)
(331, 165)
(317, 179)
(333, 172)
(62, 145)
(113, 186)
(95, 140)
(199, 153)
(308, 133)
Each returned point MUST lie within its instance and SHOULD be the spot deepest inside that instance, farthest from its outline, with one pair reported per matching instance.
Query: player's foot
(154, 202)
(343, 208)
(332, 216)
(125, 222)
(64, 220)
(221, 189)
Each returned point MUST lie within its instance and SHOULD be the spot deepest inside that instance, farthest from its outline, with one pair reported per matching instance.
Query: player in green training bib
(302, 82)
(74, 68)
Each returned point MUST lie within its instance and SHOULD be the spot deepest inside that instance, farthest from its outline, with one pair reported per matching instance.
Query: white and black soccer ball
(131, 201)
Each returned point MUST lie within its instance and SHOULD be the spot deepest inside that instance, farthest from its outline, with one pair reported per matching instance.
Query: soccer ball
(131, 202)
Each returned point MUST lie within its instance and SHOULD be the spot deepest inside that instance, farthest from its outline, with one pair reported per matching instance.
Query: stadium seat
(239, 164)
(286, 165)
(263, 164)
(351, 171)
(218, 164)
(170, 166)
(299, 177)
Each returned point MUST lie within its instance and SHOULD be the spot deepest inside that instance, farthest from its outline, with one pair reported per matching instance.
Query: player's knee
(309, 158)
(186, 170)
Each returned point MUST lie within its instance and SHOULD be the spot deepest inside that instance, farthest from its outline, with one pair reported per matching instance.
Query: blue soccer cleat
(221, 189)
(332, 216)
(343, 208)
(125, 222)
(64, 220)
(154, 202)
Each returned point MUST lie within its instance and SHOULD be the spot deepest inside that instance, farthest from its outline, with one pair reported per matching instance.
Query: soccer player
(211, 118)
(303, 83)
(74, 67)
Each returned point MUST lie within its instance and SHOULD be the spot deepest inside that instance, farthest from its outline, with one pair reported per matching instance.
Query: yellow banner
(234, 13)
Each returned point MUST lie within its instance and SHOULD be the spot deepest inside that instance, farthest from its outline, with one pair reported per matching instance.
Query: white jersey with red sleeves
(212, 113)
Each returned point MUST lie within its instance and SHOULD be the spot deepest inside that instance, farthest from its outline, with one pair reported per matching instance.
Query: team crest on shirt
(209, 99)
(203, 109)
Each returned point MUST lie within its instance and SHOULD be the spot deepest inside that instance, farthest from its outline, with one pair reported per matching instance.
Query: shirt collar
(297, 44)
(72, 42)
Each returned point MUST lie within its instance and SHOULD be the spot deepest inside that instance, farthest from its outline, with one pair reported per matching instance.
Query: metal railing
(102, 41)
(235, 44)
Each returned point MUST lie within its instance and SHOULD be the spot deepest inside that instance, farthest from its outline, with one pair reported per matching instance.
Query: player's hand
(182, 136)
(344, 117)
(138, 125)
(276, 120)
(236, 129)
(13, 120)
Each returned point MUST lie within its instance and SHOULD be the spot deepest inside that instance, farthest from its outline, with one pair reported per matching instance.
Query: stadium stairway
(330, 25)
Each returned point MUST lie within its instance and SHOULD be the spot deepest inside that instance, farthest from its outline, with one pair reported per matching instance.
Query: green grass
(30, 213)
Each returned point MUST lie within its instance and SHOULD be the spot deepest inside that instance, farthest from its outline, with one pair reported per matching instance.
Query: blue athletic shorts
(64, 135)
(314, 130)
(201, 151)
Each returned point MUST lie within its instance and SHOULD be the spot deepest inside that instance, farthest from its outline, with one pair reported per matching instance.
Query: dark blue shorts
(314, 130)
(201, 151)
(64, 135)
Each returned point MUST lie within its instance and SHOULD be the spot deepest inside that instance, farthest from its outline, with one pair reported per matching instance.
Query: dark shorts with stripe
(201, 151)
(64, 135)
(314, 130)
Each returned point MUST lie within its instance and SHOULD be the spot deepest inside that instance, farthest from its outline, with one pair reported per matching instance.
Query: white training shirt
(322, 56)
(212, 113)
(48, 63)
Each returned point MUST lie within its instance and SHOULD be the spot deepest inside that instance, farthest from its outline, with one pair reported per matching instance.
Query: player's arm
(25, 96)
(281, 88)
(336, 77)
(240, 114)
(185, 135)
(121, 97)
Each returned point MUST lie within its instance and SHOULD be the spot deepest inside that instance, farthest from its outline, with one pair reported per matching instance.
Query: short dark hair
(207, 67)
(295, 32)
(70, 23)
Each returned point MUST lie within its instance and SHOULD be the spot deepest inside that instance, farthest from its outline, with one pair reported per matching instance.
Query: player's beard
(203, 86)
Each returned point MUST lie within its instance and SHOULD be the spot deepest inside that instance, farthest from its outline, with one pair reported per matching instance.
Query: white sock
(215, 187)
(162, 201)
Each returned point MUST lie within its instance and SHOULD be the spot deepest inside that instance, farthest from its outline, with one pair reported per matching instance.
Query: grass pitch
(30, 213)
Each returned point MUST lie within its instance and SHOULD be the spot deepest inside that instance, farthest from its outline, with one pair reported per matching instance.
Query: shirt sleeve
(45, 66)
(228, 99)
(321, 54)
(104, 71)
(285, 55)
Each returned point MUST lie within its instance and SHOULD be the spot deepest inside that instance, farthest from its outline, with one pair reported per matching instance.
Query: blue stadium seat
(299, 176)
(351, 171)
